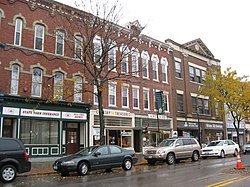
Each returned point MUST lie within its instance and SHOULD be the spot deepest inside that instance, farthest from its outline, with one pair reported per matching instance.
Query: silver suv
(173, 150)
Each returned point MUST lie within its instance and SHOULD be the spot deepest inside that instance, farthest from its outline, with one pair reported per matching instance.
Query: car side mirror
(97, 154)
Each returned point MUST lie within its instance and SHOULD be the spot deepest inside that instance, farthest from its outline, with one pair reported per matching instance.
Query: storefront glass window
(39, 131)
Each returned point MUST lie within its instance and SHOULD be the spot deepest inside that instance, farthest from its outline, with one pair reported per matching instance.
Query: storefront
(152, 130)
(118, 127)
(208, 131)
(232, 134)
(45, 129)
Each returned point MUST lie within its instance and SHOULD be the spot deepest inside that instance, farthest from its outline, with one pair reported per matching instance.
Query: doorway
(72, 138)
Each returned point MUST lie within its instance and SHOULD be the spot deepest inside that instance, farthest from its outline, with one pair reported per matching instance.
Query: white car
(246, 147)
(220, 148)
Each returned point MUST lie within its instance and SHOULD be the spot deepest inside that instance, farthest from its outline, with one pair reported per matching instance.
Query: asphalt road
(209, 172)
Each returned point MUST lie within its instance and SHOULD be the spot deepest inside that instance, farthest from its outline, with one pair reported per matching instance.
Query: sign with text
(11, 111)
(40, 113)
(74, 115)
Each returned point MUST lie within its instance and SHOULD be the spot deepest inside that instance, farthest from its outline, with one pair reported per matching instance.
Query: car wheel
(151, 162)
(170, 158)
(195, 156)
(83, 169)
(222, 154)
(235, 152)
(8, 173)
(127, 164)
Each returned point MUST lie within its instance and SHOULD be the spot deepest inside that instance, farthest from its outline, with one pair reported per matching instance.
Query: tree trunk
(101, 117)
(237, 131)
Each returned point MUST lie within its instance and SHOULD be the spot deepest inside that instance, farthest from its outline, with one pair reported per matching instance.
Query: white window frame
(178, 70)
(78, 46)
(136, 89)
(146, 91)
(58, 86)
(145, 58)
(97, 44)
(166, 100)
(155, 69)
(15, 79)
(164, 63)
(37, 83)
(18, 31)
(39, 37)
(125, 93)
(78, 80)
(112, 56)
(112, 92)
(134, 62)
(59, 40)
(95, 95)
(124, 61)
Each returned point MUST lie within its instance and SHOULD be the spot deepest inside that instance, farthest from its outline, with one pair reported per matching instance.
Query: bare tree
(101, 46)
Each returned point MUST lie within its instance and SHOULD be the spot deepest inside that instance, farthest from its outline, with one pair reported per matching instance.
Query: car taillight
(26, 156)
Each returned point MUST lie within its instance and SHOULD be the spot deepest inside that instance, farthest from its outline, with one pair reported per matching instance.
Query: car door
(179, 150)
(116, 156)
(231, 146)
(100, 158)
(226, 148)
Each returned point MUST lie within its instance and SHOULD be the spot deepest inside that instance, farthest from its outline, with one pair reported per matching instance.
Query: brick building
(36, 86)
(192, 113)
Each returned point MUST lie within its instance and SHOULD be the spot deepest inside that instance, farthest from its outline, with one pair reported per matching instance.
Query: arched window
(164, 69)
(145, 58)
(78, 46)
(112, 56)
(18, 31)
(124, 61)
(14, 79)
(59, 43)
(78, 89)
(97, 50)
(155, 61)
(135, 66)
(58, 86)
(36, 89)
(39, 37)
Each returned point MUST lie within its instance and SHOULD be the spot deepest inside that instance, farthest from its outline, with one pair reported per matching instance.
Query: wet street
(209, 172)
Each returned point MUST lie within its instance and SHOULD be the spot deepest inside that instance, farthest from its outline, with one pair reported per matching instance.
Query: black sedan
(96, 157)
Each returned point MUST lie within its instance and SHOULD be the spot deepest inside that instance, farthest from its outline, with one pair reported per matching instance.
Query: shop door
(71, 139)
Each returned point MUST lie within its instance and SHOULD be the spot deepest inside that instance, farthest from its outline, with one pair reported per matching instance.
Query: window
(59, 43)
(194, 105)
(39, 37)
(155, 62)
(145, 58)
(177, 69)
(125, 98)
(112, 95)
(95, 95)
(18, 31)
(165, 101)
(14, 79)
(97, 50)
(191, 73)
(36, 82)
(78, 46)
(103, 150)
(124, 61)
(135, 66)
(146, 99)
(203, 75)
(198, 75)
(112, 57)
(115, 150)
(180, 102)
(135, 98)
(78, 89)
(200, 105)
(39, 131)
(58, 86)
(206, 106)
(164, 69)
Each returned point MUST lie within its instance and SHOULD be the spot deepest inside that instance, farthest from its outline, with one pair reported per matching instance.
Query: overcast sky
(223, 25)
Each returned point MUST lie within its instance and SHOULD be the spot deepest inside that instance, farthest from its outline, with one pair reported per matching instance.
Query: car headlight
(160, 152)
(71, 162)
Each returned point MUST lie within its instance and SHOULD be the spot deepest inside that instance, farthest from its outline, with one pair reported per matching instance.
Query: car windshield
(216, 143)
(165, 143)
(87, 150)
